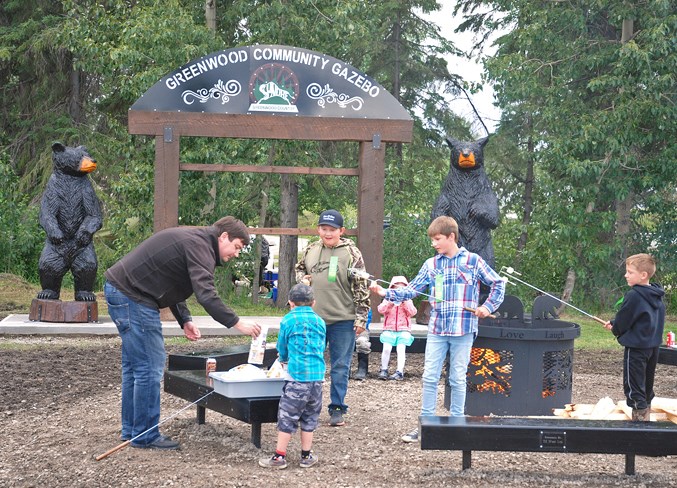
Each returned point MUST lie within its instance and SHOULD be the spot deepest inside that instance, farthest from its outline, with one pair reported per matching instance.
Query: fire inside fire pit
(518, 365)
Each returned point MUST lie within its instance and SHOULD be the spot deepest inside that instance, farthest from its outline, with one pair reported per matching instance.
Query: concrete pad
(19, 324)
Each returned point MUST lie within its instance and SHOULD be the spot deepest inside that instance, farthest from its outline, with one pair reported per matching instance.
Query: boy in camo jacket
(342, 301)
(300, 344)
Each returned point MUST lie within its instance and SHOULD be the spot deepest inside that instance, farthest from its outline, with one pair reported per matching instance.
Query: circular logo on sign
(273, 84)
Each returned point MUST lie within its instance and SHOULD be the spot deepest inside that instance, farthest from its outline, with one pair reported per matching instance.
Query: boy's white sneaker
(411, 436)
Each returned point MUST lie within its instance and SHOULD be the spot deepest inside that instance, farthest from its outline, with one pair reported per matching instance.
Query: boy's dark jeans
(639, 370)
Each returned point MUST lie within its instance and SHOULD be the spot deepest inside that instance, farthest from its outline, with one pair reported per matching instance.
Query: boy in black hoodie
(638, 326)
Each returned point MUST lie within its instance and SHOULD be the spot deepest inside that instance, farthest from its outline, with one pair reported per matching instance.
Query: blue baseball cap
(332, 218)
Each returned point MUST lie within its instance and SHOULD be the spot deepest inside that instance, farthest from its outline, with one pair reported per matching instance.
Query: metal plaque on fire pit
(553, 440)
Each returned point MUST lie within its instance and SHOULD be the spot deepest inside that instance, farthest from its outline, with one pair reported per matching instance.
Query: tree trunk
(209, 207)
(528, 201)
(571, 274)
(263, 211)
(289, 217)
(628, 30)
(623, 223)
(397, 38)
(210, 14)
(74, 101)
(256, 285)
(624, 206)
(568, 289)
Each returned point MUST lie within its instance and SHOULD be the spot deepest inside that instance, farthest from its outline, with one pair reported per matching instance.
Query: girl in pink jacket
(396, 330)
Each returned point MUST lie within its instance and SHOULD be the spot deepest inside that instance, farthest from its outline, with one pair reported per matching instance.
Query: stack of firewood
(662, 409)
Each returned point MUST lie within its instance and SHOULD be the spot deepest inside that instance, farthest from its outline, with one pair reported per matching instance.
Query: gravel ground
(60, 401)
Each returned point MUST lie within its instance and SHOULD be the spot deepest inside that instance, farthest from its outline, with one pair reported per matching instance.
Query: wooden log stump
(64, 312)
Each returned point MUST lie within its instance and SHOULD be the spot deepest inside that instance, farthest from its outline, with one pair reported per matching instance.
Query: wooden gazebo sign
(274, 92)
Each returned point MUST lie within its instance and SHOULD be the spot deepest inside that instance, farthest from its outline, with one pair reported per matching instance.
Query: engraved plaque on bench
(553, 440)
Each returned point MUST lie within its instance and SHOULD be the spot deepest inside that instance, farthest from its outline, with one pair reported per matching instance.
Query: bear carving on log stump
(70, 214)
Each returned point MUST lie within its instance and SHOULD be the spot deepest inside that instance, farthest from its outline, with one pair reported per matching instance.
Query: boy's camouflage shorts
(300, 404)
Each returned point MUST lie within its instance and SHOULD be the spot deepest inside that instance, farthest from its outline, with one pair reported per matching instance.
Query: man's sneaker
(411, 436)
(336, 418)
(161, 442)
(277, 462)
(383, 374)
(397, 376)
(309, 461)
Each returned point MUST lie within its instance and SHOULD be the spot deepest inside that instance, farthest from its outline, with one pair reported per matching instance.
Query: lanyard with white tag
(333, 269)
(439, 287)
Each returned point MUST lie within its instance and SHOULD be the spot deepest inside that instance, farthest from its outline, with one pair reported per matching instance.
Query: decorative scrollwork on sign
(219, 90)
(327, 94)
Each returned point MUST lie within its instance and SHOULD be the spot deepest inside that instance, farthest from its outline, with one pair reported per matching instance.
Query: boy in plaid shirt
(452, 277)
(300, 344)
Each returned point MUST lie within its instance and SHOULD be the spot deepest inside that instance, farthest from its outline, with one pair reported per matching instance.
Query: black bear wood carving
(467, 197)
(70, 213)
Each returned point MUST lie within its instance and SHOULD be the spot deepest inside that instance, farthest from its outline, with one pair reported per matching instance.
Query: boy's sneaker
(309, 461)
(273, 462)
(383, 374)
(397, 376)
(336, 418)
(411, 436)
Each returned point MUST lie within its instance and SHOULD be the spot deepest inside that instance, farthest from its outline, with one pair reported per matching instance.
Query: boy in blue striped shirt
(300, 344)
(453, 279)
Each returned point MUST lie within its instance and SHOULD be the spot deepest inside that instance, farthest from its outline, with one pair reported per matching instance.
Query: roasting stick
(363, 274)
(510, 271)
(126, 443)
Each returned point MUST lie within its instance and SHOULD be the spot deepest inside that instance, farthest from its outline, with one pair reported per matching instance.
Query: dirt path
(60, 402)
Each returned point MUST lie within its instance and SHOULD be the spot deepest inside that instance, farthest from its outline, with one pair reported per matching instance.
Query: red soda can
(670, 340)
(211, 365)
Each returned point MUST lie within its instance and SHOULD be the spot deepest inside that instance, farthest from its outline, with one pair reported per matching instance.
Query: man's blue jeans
(341, 341)
(436, 349)
(143, 363)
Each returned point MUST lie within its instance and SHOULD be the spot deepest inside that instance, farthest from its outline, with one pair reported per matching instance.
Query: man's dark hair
(234, 227)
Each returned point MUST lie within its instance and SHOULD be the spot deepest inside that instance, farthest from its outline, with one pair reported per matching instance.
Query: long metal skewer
(363, 274)
(510, 271)
(126, 443)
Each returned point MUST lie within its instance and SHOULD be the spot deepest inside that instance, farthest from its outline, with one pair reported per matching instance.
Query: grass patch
(242, 305)
(595, 336)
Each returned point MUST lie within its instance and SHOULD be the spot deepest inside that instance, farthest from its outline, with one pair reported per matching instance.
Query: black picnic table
(667, 355)
(186, 378)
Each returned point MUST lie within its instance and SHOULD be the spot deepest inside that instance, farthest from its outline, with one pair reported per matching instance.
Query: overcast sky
(468, 70)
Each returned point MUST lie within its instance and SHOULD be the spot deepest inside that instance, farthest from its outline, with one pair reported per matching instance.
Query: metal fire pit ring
(520, 364)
